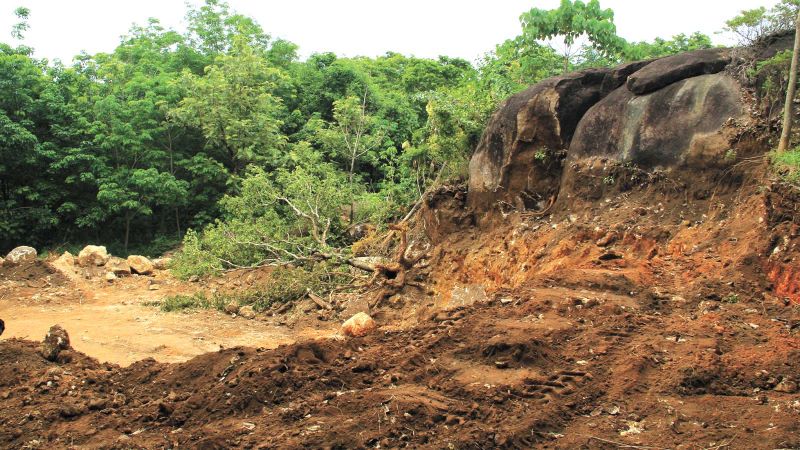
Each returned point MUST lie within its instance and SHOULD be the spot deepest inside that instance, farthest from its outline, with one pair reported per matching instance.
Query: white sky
(424, 28)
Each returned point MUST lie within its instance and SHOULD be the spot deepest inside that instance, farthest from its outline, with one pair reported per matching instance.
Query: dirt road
(118, 322)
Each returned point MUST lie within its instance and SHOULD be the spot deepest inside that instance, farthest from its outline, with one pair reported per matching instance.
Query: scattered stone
(247, 312)
(154, 287)
(194, 279)
(21, 255)
(232, 308)
(786, 385)
(93, 255)
(56, 340)
(359, 325)
(162, 263)
(110, 276)
(140, 264)
(607, 240)
(118, 266)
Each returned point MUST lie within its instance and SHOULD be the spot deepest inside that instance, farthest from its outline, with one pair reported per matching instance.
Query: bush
(192, 259)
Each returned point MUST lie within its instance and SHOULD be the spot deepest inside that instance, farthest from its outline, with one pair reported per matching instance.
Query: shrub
(197, 300)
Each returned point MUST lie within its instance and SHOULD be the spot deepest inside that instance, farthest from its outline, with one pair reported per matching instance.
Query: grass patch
(197, 300)
(787, 164)
(286, 284)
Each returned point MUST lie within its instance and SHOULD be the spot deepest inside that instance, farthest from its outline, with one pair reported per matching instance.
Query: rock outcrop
(667, 113)
(19, 255)
(93, 256)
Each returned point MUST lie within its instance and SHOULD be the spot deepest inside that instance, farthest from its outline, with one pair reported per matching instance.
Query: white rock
(140, 264)
(360, 324)
(93, 255)
(247, 312)
(20, 255)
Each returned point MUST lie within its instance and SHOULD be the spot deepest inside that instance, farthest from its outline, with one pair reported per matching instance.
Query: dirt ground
(644, 320)
(118, 322)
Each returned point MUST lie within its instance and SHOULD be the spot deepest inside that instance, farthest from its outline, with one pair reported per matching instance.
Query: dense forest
(224, 129)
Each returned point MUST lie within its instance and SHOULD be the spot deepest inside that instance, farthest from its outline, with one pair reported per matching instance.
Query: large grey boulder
(19, 255)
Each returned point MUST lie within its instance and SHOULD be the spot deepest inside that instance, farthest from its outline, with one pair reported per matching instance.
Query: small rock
(607, 240)
(232, 307)
(93, 255)
(56, 340)
(786, 385)
(247, 312)
(162, 263)
(194, 279)
(140, 264)
(608, 256)
(154, 287)
(360, 324)
(118, 266)
(21, 255)
(110, 276)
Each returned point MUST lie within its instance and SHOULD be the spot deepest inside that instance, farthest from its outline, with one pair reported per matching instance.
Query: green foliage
(731, 298)
(285, 284)
(752, 24)
(198, 300)
(787, 164)
(635, 51)
(571, 21)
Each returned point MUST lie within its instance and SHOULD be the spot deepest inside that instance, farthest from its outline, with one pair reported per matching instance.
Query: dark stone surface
(669, 70)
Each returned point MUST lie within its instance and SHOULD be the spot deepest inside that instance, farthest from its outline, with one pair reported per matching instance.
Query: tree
(235, 108)
(753, 24)
(788, 110)
(355, 136)
(571, 21)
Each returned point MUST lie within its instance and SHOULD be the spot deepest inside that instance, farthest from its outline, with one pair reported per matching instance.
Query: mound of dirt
(549, 368)
(34, 273)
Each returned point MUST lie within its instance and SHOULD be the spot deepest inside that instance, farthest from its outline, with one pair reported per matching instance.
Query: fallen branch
(319, 301)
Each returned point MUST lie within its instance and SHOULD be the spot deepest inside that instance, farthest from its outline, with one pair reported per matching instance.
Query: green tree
(235, 107)
(571, 21)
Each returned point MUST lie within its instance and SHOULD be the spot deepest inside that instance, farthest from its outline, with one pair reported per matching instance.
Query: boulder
(118, 266)
(669, 70)
(680, 125)
(359, 325)
(56, 340)
(93, 255)
(19, 255)
(140, 264)
(247, 312)
(162, 263)
(518, 159)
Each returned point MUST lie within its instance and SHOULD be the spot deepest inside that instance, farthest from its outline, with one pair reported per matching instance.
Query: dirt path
(118, 323)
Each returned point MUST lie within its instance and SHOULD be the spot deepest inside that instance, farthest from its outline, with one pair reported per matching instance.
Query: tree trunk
(127, 230)
(788, 109)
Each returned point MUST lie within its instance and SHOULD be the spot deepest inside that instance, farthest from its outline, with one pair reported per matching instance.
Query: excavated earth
(652, 302)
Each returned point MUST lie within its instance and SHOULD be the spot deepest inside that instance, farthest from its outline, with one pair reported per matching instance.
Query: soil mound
(34, 273)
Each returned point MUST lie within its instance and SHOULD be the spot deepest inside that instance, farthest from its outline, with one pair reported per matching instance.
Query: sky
(424, 28)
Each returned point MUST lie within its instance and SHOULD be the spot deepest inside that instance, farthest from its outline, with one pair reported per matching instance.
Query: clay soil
(643, 321)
